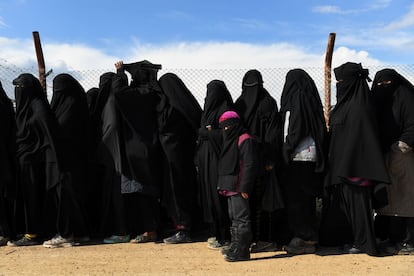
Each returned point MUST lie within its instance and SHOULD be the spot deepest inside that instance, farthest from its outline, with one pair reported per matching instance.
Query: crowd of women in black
(139, 161)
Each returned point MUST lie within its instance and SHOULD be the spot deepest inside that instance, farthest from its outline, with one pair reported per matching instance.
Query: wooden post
(40, 60)
(328, 69)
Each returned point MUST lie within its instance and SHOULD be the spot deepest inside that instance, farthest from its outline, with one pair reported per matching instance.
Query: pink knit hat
(228, 115)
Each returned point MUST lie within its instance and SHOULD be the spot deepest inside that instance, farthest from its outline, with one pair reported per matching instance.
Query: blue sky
(88, 34)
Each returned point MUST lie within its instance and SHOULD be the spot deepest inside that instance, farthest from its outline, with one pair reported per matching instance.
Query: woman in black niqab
(259, 113)
(178, 122)
(7, 166)
(304, 157)
(38, 152)
(71, 110)
(214, 207)
(393, 96)
(356, 162)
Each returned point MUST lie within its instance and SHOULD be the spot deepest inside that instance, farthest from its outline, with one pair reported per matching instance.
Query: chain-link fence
(197, 79)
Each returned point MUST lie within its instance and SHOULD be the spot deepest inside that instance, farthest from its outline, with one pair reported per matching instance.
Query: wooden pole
(328, 69)
(40, 60)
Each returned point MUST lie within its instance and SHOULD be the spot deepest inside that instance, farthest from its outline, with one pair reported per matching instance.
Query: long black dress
(178, 122)
(304, 152)
(356, 162)
(71, 111)
(214, 207)
(129, 153)
(7, 164)
(393, 96)
(259, 113)
(38, 149)
(96, 99)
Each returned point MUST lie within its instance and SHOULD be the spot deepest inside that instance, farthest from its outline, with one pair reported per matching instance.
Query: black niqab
(354, 145)
(181, 99)
(393, 96)
(229, 158)
(259, 113)
(37, 128)
(71, 111)
(301, 98)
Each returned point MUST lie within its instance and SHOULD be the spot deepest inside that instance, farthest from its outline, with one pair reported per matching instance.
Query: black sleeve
(249, 165)
(407, 118)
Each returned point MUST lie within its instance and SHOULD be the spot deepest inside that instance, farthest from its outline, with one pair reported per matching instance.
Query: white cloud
(375, 5)
(405, 21)
(196, 63)
(344, 54)
(221, 55)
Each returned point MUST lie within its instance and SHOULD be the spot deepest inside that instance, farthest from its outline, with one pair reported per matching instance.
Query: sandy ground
(189, 259)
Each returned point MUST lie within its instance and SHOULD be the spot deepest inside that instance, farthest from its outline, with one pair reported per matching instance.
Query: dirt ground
(189, 259)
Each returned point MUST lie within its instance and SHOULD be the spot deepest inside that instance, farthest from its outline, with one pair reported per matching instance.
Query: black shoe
(179, 237)
(237, 255)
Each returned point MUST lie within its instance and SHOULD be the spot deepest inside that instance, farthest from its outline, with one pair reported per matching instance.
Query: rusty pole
(40, 60)
(328, 69)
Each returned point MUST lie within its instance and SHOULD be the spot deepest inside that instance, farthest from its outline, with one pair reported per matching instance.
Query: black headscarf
(229, 158)
(71, 111)
(355, 149)
(393, 96)
(180, 98)
(37, 129)
(218, 100)
(7, 145)
(259, 113)
(91, 96)
(301, 98)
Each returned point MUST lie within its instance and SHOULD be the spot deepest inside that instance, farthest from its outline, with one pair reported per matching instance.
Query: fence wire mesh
(197, 79)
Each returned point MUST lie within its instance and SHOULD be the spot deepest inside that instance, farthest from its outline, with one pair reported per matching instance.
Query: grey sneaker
(406, 249)
(180, 237)
(58, 241)
(24, 241)
(216, 245)
(3, 240)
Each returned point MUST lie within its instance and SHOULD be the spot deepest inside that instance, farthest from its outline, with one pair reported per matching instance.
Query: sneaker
(4, 240)
(406, 249)
(262, 246)
(144, 238)
(58, 241)
(26, 240)
(217, 245)
(211, 239)
(352, 249)
(179, 237)
(116, 239)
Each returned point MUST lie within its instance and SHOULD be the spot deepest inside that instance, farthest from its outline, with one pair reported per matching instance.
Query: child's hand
(245, 195)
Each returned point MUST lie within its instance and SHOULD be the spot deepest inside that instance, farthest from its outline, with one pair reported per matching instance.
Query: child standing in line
(238, 171)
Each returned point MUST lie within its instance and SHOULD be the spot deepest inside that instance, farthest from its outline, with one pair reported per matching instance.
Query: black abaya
(38, 148)
(7, 163)
(178, 135)
(70, 107)
(214, 207)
